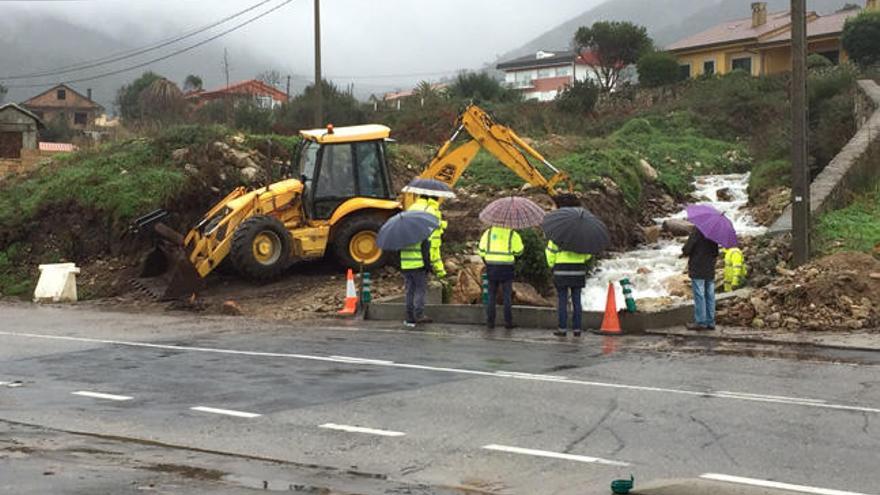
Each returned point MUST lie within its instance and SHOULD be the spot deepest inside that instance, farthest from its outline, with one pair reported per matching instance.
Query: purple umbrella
(713, 224)
(512, 212)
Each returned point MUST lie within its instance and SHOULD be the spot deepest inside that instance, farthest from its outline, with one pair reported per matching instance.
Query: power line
(116, 57)
(158, 59)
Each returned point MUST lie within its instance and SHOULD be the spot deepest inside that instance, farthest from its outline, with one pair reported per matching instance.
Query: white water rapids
(661, 260)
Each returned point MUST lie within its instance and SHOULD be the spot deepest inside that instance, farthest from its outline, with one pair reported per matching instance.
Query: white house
(543, 75)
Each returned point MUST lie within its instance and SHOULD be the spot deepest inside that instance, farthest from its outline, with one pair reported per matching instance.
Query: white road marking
(762, 396)
(776, 485)
(506, 375)
(356, 360)
(227, 412)
(531, 376)
(99, 395)
(360, 429)
(555, 455)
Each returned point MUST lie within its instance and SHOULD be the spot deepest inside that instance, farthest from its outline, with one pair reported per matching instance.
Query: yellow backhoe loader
(341, 198)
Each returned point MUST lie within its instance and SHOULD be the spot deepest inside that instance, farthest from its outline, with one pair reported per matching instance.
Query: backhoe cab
(341, 197)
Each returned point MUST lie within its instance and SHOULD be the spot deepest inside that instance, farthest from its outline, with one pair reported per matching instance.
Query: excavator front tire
(354, 242)
(260, 248)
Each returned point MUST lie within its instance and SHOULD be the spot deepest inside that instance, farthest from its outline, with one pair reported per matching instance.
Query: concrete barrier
(534, 317)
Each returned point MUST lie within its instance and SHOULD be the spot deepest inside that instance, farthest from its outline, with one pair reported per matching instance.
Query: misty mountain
(38, 42)
(666, 20)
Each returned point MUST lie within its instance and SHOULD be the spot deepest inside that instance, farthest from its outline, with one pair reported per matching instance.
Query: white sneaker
(409, 324)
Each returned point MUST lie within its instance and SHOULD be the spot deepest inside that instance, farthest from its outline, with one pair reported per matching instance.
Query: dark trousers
(576, 307)
(507, 289)
(416, 285)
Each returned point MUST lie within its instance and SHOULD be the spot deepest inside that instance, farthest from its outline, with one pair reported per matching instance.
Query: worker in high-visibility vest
(414, 262)
(499, 248)
(432, 206)
(734, 268)
(569, 277)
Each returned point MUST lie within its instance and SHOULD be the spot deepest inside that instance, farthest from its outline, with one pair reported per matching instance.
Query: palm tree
(162, 100)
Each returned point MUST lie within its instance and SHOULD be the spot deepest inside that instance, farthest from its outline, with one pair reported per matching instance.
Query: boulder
(652, 234)
(724, 194)
(250, 173)
(678, 227)
(231, 308)
(191, 169)
(180, 154)
(761, 304)
(643, 270)
(678, 285)
(468, 287)
(648, 171)
(525, 294)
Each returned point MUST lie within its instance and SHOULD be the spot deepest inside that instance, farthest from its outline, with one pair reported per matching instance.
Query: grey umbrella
(429, 187)
(576, 229)
(405, 228)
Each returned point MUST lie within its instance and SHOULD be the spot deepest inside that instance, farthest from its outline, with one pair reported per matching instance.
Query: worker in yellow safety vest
(734, 268)
(569, 277)
(432, 206)
(499, 248)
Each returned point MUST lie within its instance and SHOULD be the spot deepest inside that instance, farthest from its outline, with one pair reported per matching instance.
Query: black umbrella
(576, 229)
(405, 228)
(429, 187)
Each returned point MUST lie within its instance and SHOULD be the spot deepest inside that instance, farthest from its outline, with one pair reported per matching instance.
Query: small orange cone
(611, 323)
(351, 298)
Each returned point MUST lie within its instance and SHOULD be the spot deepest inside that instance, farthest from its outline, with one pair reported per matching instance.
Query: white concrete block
(57, 283)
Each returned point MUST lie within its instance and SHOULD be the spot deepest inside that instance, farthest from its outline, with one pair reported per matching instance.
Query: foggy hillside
(37, 43)
(666, 20)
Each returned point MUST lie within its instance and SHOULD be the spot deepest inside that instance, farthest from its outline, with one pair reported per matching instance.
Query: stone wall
(855, 167)
(28, 161)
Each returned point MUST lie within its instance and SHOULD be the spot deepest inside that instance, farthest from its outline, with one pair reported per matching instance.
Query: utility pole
(319, 110)
(288, 87)
(226, 65)
(800, 173)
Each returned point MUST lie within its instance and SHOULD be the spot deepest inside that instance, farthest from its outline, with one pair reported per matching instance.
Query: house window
(524, 78)
(563, 71)
(61, 94)
(684, 71)
(80, 118)
(744, 64)
(709, 67)
(545, 73)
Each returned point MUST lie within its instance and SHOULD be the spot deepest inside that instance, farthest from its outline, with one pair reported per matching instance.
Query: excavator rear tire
(352, 240)
(260, 248)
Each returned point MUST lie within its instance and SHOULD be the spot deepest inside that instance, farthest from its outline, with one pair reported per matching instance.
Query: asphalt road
(367, 409)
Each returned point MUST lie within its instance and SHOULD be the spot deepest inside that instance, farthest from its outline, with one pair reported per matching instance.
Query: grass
(767, 175)
(854, 228)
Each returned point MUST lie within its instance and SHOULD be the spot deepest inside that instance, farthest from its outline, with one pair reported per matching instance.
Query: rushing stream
(649, 268)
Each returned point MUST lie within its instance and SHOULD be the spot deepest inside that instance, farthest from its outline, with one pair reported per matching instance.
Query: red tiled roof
(822, 26)
(251, 87)
(737, 30)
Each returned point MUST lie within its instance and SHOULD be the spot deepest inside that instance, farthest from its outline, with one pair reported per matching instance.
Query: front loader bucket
(166, 275)
(166, 272)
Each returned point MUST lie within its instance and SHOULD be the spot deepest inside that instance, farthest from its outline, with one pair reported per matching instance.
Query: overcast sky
(361, 38)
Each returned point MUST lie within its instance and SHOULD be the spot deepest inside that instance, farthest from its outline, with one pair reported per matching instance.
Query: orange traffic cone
(611, 323)
(351, 298)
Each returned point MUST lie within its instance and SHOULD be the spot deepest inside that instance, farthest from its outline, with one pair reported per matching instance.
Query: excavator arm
(450, 161)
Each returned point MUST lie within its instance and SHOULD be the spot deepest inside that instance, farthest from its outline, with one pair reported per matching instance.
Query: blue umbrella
(429, 187)
(406, 228)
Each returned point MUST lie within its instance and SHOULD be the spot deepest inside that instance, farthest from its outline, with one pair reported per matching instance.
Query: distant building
(395, 99)
(761, 44)
(19, 142)
(63, 103)
(263, 95)
(543, 75)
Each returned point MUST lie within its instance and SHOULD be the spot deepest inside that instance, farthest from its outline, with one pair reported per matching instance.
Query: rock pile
(837, 292)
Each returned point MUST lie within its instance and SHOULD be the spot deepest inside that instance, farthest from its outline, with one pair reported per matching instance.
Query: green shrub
(816, 61)
(861, 38)
(578, 97)
(481, 87)
(658, 69)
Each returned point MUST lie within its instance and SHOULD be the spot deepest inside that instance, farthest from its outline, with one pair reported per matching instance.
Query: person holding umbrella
(427, 191)
(574, 236)
(409, 232)
(500, 245)
(711, 229)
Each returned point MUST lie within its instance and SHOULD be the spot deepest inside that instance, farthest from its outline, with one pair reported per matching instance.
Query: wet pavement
(366, 408)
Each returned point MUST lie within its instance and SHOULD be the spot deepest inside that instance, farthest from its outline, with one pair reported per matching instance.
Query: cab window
(370, 173)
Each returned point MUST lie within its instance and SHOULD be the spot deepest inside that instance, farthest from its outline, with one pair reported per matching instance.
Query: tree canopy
(128, 97)
(193, 83)
(861, 38)
(658, 69)
(614, 46)
(480, 86)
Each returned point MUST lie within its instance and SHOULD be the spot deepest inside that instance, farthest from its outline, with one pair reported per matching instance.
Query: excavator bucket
(166, 272)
